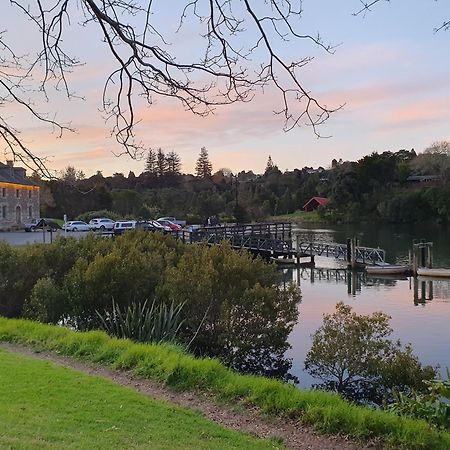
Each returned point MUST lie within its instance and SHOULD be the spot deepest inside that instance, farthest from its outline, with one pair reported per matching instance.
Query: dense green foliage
(49, 407)
(353, 355)
(432, 406)
(327, 411)
(376, 187)
(233, 305)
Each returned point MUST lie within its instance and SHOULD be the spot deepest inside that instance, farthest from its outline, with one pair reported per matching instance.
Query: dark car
(146, 226)
(39, 224)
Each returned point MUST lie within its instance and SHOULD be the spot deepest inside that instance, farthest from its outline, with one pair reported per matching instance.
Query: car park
(123, 225)
(76, 225)
(102, 224)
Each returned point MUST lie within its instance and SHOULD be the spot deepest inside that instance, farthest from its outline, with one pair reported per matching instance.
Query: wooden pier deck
(274, 240)
(269, 240)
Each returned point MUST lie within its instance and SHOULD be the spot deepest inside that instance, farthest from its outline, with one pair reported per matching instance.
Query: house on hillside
(19, 197)
(314, 202)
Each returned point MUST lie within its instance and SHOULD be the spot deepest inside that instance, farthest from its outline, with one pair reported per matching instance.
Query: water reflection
(423, 289)
(420, 308)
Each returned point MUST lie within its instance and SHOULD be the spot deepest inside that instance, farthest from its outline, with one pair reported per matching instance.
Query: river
(420, 316)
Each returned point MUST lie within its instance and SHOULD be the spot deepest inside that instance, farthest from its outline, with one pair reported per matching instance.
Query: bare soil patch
(250, 420)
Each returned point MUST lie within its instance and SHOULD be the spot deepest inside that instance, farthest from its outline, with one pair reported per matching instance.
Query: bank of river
(420, 317)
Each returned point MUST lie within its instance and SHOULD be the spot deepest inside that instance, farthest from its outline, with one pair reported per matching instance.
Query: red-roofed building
(314, 202)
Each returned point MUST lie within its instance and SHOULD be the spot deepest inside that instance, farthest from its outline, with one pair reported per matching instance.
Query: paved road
(22, 238)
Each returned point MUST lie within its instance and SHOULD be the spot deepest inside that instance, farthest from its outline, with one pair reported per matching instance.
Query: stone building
(19, 197)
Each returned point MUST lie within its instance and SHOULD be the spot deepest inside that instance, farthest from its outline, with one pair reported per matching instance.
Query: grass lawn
(299, 216)
(46, 406)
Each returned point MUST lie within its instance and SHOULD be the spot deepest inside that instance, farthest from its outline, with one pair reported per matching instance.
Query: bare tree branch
(241, 52)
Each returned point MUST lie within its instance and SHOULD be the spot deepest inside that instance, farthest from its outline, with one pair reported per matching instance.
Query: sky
(390, 70)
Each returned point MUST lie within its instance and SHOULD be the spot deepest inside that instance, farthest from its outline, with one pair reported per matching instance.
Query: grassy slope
(171, 366)
(46, 406)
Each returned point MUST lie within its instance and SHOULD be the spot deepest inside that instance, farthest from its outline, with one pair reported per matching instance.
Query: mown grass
(46, 406)
(300, 216)
(170, 365)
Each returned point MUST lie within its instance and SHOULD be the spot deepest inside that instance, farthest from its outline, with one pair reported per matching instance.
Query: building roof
(16, 175)
(322, 201)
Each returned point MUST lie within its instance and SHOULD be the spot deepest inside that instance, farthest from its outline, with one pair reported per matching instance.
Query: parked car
(160, 226)
(38, 224)
(76, 225)
(146, 225)
(168, 223)
(102, 224)
(182, 223)
(123, 225)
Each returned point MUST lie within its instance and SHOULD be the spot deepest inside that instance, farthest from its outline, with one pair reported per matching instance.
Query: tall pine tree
(203, 168)
(161, 164)
(150, 163)
(173, 163)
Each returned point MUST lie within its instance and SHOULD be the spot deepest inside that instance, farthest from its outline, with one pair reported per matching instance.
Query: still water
(420, 311)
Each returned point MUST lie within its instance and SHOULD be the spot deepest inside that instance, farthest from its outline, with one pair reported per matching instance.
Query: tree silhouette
(150, 163)
(161, 164)
(173, 163)
(203, 168)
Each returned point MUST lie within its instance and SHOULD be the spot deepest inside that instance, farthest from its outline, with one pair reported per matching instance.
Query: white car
(124, 225)
(102, 224)
(76, 225)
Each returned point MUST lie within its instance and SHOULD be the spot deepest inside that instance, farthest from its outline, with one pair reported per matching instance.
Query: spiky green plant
(143, 322)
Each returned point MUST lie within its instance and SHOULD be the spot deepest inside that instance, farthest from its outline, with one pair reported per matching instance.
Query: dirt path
(293, 434)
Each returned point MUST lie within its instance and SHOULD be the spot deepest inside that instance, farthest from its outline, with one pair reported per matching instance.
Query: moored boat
(438, 273)
(388, 269)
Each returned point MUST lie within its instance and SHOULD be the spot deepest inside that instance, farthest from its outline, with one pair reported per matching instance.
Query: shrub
(142, 322)
(353, 355)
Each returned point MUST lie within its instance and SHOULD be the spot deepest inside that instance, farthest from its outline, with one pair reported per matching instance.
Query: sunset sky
(389, 68)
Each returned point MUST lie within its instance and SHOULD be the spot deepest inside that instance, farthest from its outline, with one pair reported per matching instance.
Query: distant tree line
(398, 187)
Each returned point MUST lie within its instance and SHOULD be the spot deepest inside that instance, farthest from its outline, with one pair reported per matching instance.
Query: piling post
(353, 252)
(349, 251)
(415, 257)
(429, 255)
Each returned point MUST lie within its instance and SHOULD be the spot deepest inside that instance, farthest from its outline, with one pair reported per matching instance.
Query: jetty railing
(267, 238)
(362, 255)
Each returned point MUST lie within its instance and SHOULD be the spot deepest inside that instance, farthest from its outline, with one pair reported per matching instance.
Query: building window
(4, 212)
(17, 193)
(3, 192)
(30, 212)
(29, 194)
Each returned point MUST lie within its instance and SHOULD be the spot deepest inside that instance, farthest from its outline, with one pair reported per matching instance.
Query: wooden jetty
(273, 241)
(269, 240)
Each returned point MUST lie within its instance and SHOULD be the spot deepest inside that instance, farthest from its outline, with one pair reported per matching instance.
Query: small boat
(388, 269)
(284, 261)
(438, 273)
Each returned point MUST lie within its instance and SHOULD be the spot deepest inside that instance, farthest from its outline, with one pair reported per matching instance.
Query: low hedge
(170, 365)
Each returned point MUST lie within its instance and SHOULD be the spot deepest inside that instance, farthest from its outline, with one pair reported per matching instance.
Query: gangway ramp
(363, 255)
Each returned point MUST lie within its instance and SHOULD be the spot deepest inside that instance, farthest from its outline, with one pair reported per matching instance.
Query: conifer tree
(150, 162)
(161, 164)
(203, 168)
(173, 163)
